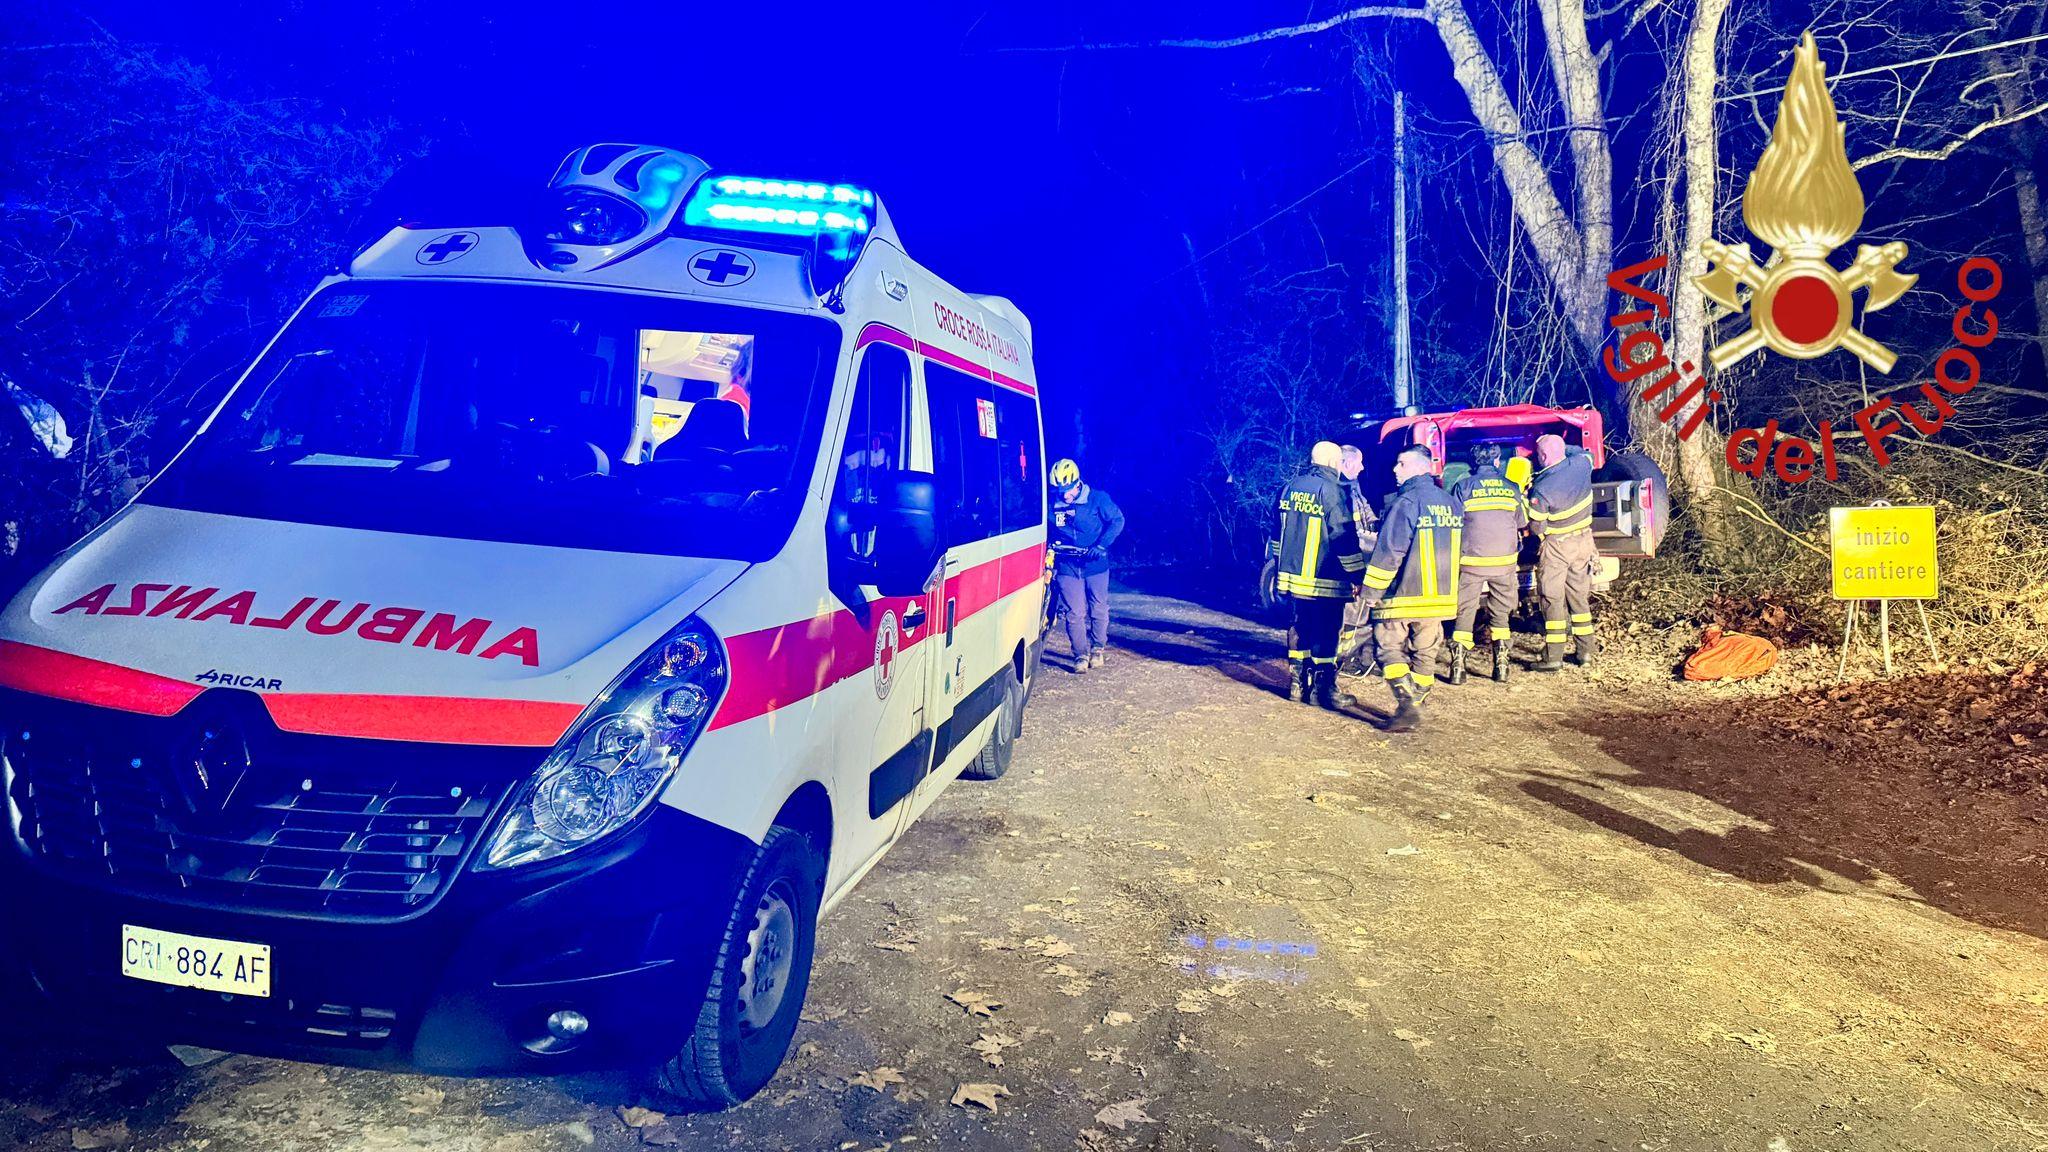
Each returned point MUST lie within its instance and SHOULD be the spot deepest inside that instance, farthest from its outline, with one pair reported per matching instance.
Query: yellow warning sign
(1883, 553)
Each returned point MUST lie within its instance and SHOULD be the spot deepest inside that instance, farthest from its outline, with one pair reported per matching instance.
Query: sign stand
(1884, 631)
(1888, 551)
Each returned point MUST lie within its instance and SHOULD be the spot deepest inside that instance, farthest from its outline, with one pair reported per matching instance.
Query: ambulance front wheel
(757, 984)
(994, 759)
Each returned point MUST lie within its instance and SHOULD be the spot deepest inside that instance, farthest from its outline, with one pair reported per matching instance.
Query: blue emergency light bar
(788, 207)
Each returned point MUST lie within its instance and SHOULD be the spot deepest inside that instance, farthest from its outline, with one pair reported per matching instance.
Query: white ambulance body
(550, 625)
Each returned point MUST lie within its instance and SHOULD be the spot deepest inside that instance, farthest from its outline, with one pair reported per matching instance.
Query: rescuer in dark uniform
(1354, 640)
(1412, 583)
(1085, 522)
(1495, 512)
(1561, 510)
(1320, 564)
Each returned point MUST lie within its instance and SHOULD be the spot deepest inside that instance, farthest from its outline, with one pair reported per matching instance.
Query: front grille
(349, 827)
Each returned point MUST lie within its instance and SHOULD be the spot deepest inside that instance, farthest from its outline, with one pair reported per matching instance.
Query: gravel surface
(1574, 912)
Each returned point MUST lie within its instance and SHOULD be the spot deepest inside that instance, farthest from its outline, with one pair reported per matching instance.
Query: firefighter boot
(1501, 663)
(1406, 715)
(1327, 694)
(1553, 658)
(1304, 681)
(1458, 654)
(1583, 650)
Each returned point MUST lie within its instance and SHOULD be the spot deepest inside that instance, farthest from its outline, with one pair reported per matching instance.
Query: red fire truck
(1631, 504)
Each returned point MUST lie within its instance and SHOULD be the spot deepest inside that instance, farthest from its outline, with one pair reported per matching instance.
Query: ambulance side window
(964, 454)
(874, 428)
(1017, 455)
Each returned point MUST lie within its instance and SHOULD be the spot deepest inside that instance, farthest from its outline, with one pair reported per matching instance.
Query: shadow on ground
(1830, 818)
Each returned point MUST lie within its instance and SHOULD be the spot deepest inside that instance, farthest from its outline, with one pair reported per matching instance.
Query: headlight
(619, 754)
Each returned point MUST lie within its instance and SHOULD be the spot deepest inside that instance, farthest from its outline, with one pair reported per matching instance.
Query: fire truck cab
(1630, 500)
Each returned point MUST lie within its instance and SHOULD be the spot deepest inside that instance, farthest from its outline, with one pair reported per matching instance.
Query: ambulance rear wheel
(994, 759)
(757, 984)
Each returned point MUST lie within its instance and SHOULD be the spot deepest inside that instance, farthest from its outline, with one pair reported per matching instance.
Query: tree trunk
(2009, 74)
(1577, 75)
(2026, 188)
(1696, 465)
(1562, 249)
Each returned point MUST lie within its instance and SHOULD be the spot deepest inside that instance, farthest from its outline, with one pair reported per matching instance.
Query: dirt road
(1198, 916)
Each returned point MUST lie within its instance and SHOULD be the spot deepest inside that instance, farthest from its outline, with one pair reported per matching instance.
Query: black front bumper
(624, 934)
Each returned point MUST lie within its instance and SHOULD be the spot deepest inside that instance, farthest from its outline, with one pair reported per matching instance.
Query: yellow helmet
(1518, 470)
(1065, 474)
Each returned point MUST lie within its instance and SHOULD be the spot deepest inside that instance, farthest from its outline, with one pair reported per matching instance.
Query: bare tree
(154, 228)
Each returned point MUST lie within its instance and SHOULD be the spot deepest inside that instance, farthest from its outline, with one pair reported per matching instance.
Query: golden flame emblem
(1803, 200)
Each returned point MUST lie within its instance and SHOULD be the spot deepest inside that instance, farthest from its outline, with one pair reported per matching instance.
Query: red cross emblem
(885, 653)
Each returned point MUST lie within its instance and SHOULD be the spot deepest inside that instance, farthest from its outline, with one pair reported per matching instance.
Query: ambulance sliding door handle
(913, 618)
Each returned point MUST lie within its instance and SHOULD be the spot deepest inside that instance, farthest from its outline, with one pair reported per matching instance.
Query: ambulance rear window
(527, 414)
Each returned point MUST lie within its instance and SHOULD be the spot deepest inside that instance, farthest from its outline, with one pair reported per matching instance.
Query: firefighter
(1495, 512)
(1085, 522)
(1354, 654)
(1561, 512)
(1411, 583)
(1320, 564)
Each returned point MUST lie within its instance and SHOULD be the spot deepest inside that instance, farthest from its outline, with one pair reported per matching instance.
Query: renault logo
(210, 769)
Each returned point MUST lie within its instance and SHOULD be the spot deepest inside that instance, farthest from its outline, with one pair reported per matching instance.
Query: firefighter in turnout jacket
(1411, 582)
(1495, 512)
(1320, 564)
(1561, 512)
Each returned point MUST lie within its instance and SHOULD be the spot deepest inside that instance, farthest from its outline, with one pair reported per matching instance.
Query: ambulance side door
(887, 758)
(961, 411)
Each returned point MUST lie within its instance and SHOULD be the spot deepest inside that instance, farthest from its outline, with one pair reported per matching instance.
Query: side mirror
(892, 541)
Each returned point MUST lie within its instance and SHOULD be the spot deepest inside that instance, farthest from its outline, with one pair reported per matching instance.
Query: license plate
(195, 961)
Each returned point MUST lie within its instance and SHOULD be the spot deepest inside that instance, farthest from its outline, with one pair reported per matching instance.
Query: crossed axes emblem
(1799, 306)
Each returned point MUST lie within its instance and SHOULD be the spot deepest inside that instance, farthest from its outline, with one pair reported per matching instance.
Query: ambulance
(548, 628)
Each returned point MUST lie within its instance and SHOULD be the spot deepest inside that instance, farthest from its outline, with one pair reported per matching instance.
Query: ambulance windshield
(558, 416)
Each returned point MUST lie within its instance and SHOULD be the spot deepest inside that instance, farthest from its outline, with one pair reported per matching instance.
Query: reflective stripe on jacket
(1416, 560)
(1494, 511)
(1319, 555)
(1561, 496)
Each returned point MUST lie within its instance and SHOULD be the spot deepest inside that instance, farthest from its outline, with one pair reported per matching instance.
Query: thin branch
(1754, 511)
(1948, 149)
(1895, 67)
(1288, 32)
(1305, 197)
(1926, 443)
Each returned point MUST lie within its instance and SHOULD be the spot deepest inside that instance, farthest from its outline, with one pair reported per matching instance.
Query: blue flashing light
(658, 184)
(790, 207)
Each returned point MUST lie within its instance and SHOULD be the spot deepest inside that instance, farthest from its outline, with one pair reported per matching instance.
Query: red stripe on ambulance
(775, 667)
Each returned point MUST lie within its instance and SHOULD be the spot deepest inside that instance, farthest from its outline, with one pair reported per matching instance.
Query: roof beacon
(608, 201)
(829, 222)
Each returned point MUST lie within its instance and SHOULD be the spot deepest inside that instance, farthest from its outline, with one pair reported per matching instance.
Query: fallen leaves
(991, 1045)
(876, 1078)
(1413, 1038)
(1191, 1001)
(111, 1136)
(1756, 1038)
(979, 1095)
(652, 1126)
(1117, 1019)
(424, 1101)
(975, 1003)
(1129, 1112)
(1405, 850)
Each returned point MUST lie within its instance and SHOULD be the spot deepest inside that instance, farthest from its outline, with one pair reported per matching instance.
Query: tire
(994, 758)
(740, 1041)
